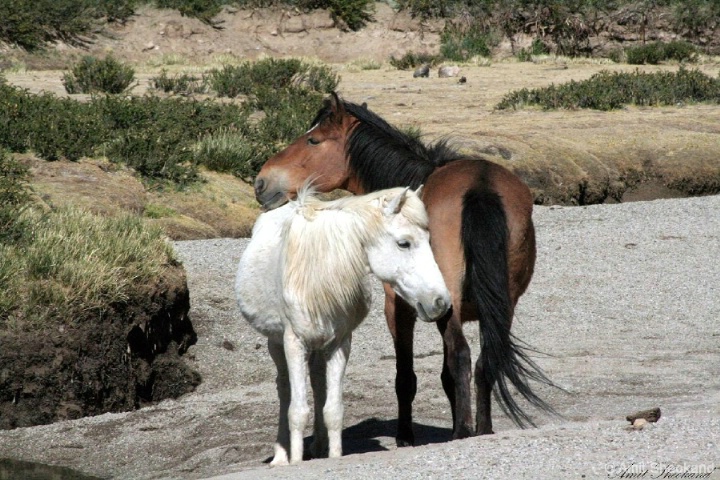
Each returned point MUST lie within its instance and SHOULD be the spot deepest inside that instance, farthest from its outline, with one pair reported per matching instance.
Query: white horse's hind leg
(297, 359)
(282, 443)
(334, 410)
(318, 382)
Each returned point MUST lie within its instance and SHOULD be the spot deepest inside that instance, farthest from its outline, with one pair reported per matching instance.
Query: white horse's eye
(404, 244)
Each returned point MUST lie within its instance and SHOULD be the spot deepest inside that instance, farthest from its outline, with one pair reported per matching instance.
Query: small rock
(448, 71)
(228, 345)
(422, 71)
(639, 423)
(653, 414)
(462, 80)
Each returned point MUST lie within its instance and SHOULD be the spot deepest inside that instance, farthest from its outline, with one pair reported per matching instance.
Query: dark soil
(117, 362)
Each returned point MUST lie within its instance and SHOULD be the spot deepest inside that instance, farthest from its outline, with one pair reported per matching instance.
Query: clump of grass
(613, 90)
(71, 266)
(92, 75)
(153, 210)
(167, 59)
(182, 83)
(413, 60)
(226, 150)
(364, 64)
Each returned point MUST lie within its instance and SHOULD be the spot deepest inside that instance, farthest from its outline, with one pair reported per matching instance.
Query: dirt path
(625, 298)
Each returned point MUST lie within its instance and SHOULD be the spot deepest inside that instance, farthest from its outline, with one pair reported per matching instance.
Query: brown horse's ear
(335, 105)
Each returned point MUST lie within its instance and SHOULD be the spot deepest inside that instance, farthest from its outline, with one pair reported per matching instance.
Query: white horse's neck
(325, 270)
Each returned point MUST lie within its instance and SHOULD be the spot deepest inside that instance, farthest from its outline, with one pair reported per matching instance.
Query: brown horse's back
(444, 194)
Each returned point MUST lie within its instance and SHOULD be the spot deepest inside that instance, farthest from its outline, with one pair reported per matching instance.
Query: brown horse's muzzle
(270, 194)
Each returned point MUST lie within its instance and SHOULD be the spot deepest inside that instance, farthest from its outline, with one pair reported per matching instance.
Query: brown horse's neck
(354, 186)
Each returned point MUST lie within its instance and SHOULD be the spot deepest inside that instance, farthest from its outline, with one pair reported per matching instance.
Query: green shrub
(430, 8)
(461, 42)
(651, 54)
(694, 17)
(180, 83)
(14, 197)
(276, 74)
(609, 91)
(355, 13)
(156, 136)
(91, 75)
(656, 52)
(536, 48)
(680, 51)
(32, 24)
(413, 60)
(287, 114)
(204, 10)
(52, 127)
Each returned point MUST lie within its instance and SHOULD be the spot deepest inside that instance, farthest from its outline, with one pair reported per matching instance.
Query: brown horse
(482, 236)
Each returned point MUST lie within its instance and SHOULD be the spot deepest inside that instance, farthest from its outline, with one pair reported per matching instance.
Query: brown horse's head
(318, 155)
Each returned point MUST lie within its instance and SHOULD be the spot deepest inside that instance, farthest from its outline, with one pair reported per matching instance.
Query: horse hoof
(279, 462)
(463, 432)
(404, 443)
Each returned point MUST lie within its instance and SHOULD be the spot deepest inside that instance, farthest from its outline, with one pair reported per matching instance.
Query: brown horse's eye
(312, 141)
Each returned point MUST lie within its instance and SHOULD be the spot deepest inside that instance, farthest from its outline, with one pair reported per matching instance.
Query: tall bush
(92, 75)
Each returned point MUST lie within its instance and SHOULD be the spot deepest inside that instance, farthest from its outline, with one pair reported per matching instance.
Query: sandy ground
(625, 303)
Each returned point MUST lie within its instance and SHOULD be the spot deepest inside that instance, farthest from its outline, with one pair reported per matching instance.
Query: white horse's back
(257, 288)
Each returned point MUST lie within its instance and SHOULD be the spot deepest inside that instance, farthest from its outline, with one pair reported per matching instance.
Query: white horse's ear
(419, 190)
(394, 204)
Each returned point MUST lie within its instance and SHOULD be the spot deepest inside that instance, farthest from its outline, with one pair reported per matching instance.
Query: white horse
(303, 282)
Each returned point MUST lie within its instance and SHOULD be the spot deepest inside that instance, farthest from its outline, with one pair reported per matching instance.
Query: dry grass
(223, 206)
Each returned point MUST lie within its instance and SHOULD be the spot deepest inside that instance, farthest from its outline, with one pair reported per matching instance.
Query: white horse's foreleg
(318, 382)
(334, 410)
(297, 359)
(282, 444)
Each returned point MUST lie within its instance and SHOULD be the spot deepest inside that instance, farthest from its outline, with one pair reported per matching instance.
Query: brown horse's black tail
(504, 360)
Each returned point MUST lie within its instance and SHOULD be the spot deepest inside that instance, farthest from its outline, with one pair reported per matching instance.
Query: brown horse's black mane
(383, 156)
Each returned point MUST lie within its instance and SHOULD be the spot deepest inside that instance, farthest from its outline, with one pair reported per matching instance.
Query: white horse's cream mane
(323, 253)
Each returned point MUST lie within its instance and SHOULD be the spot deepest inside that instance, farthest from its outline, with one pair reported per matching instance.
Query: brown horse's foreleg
(401, 322)
(456, 375)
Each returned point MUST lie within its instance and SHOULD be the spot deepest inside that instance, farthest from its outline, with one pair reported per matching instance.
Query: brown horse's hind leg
(401, 322)
(483, 389)
(456, 375)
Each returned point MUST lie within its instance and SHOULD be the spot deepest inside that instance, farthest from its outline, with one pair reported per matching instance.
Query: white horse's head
(401, 256)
